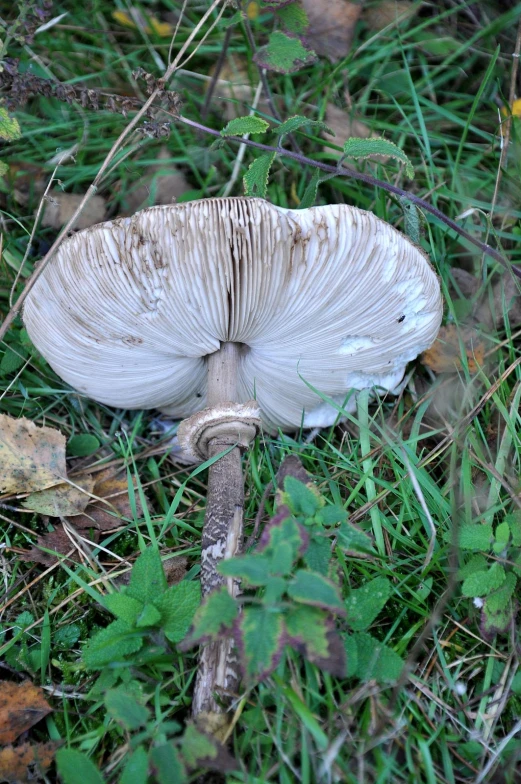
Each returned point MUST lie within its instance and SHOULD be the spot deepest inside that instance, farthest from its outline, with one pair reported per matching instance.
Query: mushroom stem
(222, 538)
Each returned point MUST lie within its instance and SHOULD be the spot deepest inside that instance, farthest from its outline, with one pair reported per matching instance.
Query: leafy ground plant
(411, 534)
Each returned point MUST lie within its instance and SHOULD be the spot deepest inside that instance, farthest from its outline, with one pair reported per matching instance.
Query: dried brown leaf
(175, 569)
(32, 458)
(56, 540)
(162, 184)
(62, 500)
(61, 206)
(345, 125)
(26, 763)
(444, 356)
(106, 514)
(331, 26)
(388, 12)
(21, 706)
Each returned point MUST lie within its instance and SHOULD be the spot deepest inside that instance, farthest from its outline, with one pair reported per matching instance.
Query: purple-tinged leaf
(260, 638)
(312, 632)
(213, 619)
(316, 590)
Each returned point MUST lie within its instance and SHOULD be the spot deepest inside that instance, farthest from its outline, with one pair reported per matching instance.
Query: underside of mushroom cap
(323, 301)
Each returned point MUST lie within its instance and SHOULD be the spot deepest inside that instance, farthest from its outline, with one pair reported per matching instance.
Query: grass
(435, 86)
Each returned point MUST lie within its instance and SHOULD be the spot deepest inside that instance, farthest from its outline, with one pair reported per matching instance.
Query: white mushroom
(234, 307)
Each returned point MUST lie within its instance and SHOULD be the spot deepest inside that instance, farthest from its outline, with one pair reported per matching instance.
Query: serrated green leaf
(178, 606)
(9, 126)
(475, 536)
(316, 590)
(136, 768)
(213, 617)
(82, 445)
(123, 606)
(318, 554)
(313, 632)
(375, 661)
(500, 599)
(149, 616)
(411, 220)
(260, 639)
(254, 569)
(281, 561)
(332, 514)
(494, 623)
(256, 178)
(353, 539)
(483, 583)
(201, 750)
(67, 636)
(76, 768)
(11, 360)
(111, 645)
(365, 603)
(310, 194)
(284, 54)
(293, 124)
(249, 124)
(125, 709)
(302, 499)
(275, 590)
(282, 530)
(4, 168)
(293, 18)
(147, 579)
(514, 523)
(167, 764)
(502, 535)
(476, 564)
(364, 148)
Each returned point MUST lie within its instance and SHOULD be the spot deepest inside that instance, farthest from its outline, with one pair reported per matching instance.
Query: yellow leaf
(252, 10)
(32, 458)
(445, 355)
(149, 25)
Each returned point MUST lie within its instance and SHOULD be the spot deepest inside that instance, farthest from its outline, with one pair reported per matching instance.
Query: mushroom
(229, 313)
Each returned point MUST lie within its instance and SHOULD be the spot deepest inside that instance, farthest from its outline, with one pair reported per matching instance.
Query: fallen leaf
(175, 569)
(490, 312)
(388, 12)
(113, 490)
(444, 356)
(61, 206)
(26, 763)
(162, 184)
(345, 126)
(331, 26)
(56, 540)
(21, 706)
(32, 458)
(62, 500)
(149, 24)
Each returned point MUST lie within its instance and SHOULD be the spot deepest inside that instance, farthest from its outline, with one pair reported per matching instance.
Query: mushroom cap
(323, 300)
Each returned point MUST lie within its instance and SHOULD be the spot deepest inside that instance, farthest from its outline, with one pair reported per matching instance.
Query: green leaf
(254, 569)
(312, 632)
(316, 590)
(365, 603)
(351, 650)
(275, 590)
(293, 18)
(214, 616)
(167, 765)
(364, 148)
(302, 499)
(82, 445)
(201, 750)
(111, 645)
(241, 125)
(411, 220)
(353, 539)
(296, 122)
(475, 536)
(177, 607)
(123, 606)
(318, 554)
(514, 523)
(483, 583)
(67, 636)
(500, 599)
(125, 709)
(150, 616)
(147, 580)
(9, 126)
(374, 660)
(502, 535)
(260, 641)
(256, 178)
(282, 558)
(476, 564)
(136, 768)
(494, 623)
(11, 360)
(4, 168)
(284, 54)
(282, 531)
(76, 768)
(310, 194)
(331, 515)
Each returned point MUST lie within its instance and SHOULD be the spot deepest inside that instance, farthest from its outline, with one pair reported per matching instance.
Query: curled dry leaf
(114, 504)
(58, 541)
(163, 183)
(21, 706)
(62, 500)
(61, 206)
(331, 26)
(388, 12)
(445, 355)
(32, 458)
(345, 126)
(26, 763)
